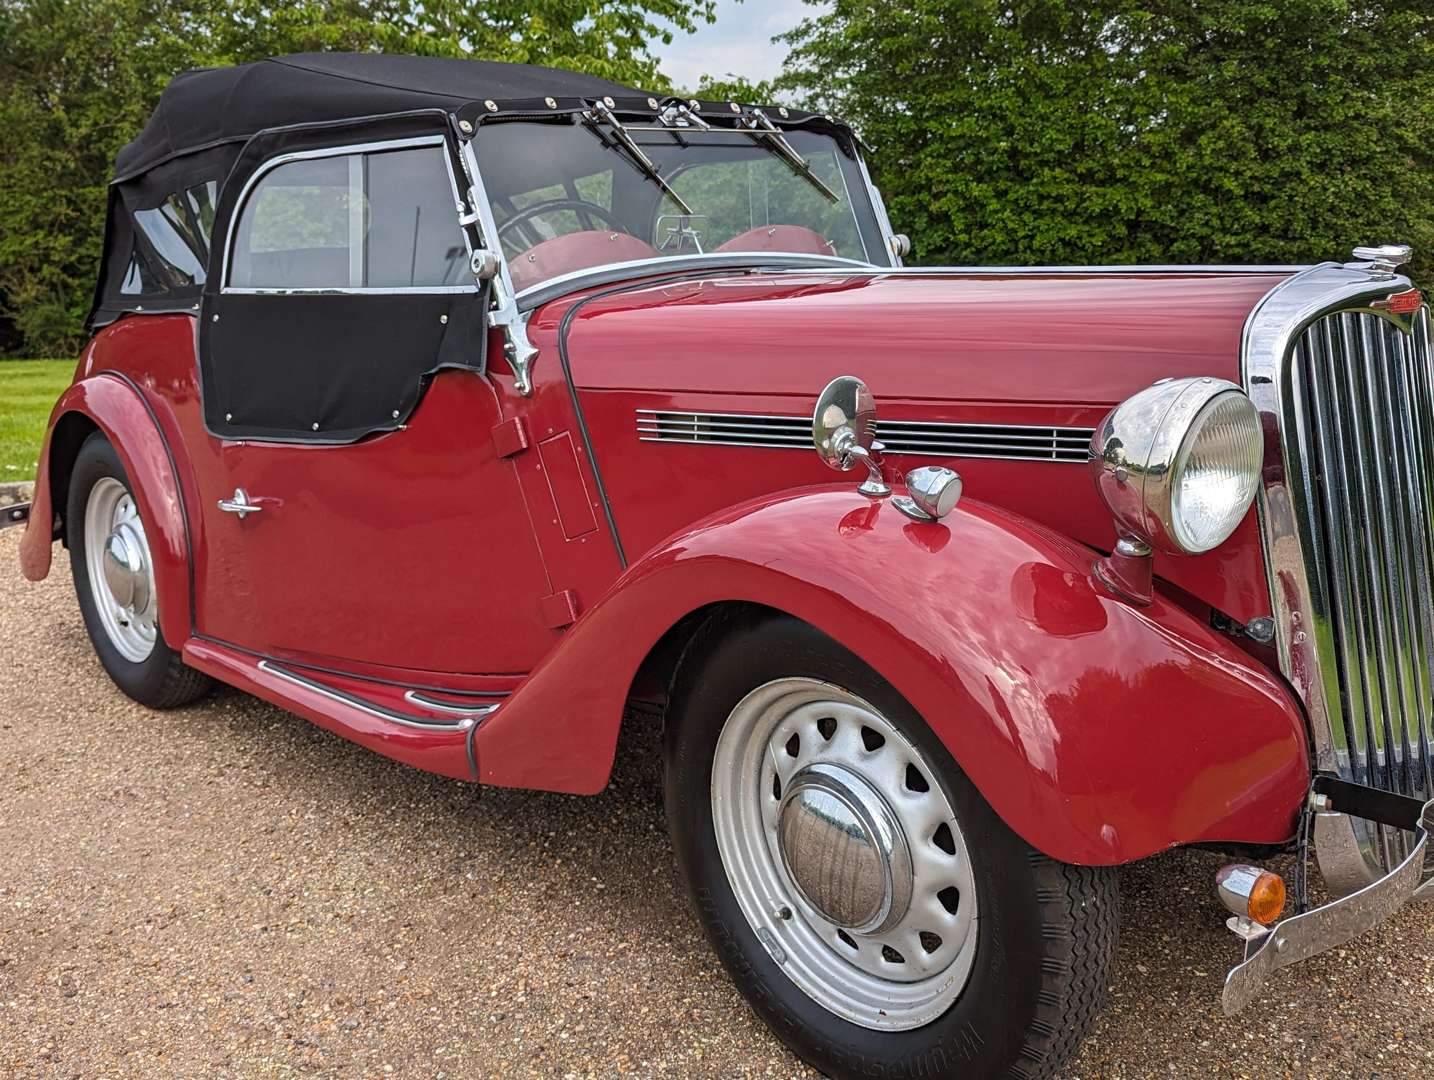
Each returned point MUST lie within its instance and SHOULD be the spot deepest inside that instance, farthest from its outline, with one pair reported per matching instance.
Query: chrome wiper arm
(765, 133)
(601, 114)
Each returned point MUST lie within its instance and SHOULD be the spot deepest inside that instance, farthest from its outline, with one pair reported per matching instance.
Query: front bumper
(1302, 936)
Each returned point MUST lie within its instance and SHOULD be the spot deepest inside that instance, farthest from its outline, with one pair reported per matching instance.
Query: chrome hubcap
(844, 849)
(121, 571)
(126, 569)
(844, 853)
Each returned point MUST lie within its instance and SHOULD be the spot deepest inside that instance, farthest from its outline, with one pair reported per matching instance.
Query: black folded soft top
(212, 106)
(213, 125)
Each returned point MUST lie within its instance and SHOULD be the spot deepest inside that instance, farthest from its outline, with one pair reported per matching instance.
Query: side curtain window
(177, 234)
(379, 220)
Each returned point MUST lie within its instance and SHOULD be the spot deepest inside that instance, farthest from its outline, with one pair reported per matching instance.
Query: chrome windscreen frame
(510, 312)
(1302, 614)
(490, 265)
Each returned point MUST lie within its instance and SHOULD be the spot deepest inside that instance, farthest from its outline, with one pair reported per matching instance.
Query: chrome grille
(1362, 404)
(927, 438)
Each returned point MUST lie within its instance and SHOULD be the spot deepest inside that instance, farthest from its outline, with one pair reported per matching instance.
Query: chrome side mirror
(844, 432)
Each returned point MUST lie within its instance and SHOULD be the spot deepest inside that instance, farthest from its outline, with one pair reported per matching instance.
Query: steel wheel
(121, 570)
(844, 853)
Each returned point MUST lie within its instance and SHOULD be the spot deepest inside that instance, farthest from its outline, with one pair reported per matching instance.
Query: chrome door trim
(345, 290)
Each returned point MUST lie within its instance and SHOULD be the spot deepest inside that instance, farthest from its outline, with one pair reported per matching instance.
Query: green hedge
(1050, 131)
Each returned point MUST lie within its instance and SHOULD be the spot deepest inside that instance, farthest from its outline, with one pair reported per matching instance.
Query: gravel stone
(228, 891)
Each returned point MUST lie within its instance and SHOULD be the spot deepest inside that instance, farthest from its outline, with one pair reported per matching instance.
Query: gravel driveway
(227, 890)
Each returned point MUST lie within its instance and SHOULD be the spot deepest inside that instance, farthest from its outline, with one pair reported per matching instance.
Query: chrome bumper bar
(1302, 936)
(14, 514)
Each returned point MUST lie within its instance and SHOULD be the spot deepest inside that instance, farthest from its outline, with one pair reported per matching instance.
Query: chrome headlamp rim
(1136, 453)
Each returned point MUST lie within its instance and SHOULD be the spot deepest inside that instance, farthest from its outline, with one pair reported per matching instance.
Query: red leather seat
(793, 238)
(575, 251)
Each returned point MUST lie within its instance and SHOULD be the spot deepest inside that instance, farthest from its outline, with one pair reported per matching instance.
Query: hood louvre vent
(928, 438)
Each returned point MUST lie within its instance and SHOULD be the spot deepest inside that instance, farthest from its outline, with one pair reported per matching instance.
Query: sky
(738, 43)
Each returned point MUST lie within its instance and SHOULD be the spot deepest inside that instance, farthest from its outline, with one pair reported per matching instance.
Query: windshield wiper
(765, 133)
(601, 114)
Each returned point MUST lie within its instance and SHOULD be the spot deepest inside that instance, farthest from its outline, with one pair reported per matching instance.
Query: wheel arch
(1100, 732)
(71, 431)
(115, 407)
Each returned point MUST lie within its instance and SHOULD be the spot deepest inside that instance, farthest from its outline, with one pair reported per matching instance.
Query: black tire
(1046, 940)
(161, 680)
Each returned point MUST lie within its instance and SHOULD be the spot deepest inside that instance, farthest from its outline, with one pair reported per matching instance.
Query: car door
(362, 512)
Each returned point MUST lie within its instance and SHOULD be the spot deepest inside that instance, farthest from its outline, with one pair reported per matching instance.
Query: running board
(428, 728)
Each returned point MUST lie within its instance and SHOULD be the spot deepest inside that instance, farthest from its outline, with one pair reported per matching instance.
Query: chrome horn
(932, 492)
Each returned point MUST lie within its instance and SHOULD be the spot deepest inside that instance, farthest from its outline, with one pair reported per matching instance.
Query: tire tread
(1080, 906)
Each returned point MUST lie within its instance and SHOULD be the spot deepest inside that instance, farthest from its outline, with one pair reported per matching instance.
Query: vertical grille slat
(1318, 360)
(1419, 432)
(1407, 530)
(1376, 500)
(1362, 394)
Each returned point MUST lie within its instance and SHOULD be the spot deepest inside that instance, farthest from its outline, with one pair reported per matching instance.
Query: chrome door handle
(239, 504)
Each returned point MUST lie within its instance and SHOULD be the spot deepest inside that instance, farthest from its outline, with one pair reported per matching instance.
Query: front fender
(1100, 732)
(115, 406)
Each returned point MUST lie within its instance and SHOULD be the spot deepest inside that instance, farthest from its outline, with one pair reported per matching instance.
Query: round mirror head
(845, 418)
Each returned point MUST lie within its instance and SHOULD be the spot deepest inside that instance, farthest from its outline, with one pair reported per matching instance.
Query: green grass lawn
(28, 391)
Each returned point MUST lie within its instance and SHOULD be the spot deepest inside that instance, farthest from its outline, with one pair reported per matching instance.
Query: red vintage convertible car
(460, 407)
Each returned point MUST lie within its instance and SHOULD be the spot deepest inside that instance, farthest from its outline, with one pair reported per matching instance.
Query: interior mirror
(844, 431)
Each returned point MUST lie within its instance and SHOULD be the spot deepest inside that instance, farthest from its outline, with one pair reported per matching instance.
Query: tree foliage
(1091, 131)
(79, 77)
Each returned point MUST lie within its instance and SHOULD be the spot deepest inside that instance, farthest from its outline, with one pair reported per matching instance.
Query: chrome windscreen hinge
(510, 437)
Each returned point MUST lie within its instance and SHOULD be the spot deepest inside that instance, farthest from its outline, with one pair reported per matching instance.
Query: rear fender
(1100, 732)
(115, 406)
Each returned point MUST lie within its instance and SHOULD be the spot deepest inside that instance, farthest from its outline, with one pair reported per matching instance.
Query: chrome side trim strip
(270, 668)
(423, 701)
(929, 438)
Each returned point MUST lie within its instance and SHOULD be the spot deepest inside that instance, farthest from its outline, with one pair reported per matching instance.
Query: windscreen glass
(569, 197)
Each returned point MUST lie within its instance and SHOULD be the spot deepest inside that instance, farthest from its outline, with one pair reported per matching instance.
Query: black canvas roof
(217, 105)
